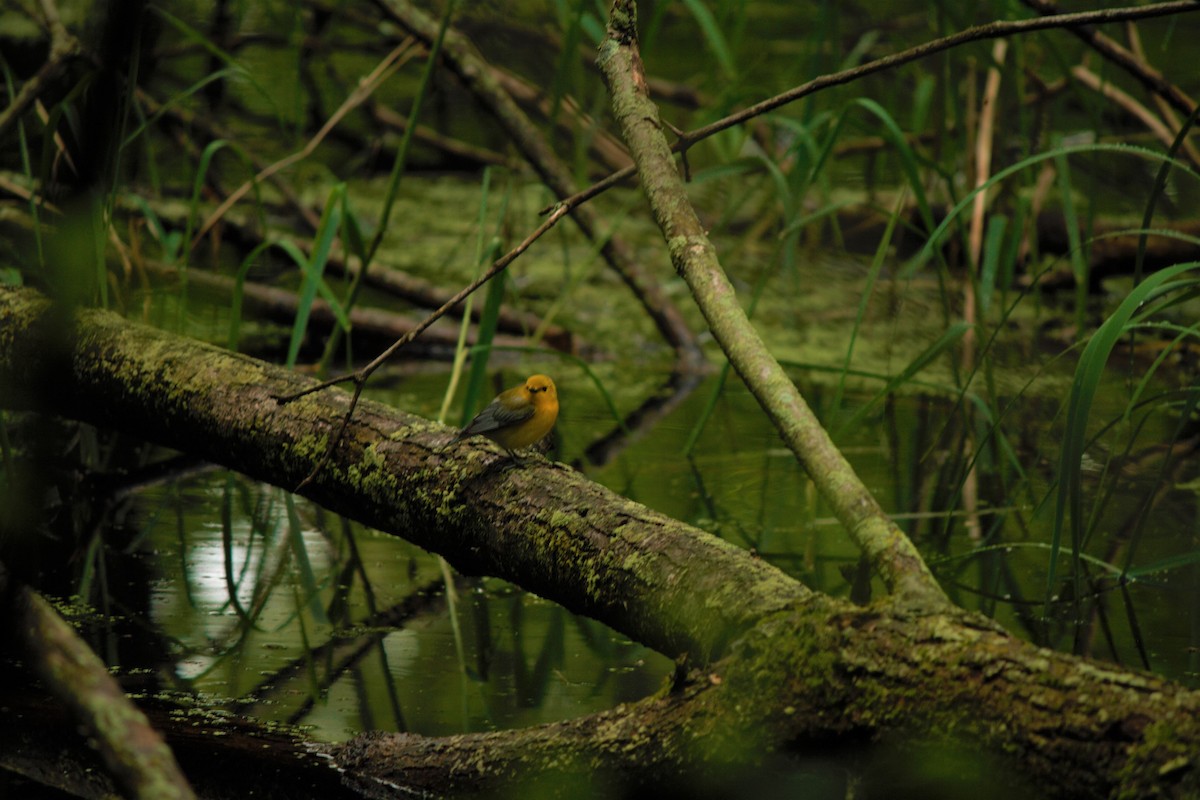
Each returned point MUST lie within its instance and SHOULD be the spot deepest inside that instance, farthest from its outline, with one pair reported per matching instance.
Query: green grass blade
(1185, 418)
(1160, 186)
(932, 243)
(908, 159)
(307, 577)
(6, 273)
(352, 239)
(227, 549)
(1163, 565)
(171, 241)
(483, 257)
(877, 262)
(206, 158)
(993, 250)
(314, 268)
(414, 116)
(340, 314)
(946, 341)
(232, 65)
(177, 99)
(1079, 262)
(235, 310)
(820, 214)
(485, 334)
(1068, 505)
(713, 36)
(566, 69)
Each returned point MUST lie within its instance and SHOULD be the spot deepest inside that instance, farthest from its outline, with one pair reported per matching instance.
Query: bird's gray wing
(495, 416)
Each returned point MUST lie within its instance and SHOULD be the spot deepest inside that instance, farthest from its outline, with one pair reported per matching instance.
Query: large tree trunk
(770, 664)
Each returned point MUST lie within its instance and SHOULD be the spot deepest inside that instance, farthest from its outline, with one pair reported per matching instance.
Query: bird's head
(541, 385)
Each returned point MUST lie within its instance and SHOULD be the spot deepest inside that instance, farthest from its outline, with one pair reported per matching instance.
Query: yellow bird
(518, 417)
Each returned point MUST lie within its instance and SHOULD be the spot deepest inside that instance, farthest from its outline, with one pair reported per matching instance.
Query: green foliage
(1155, 293)
(477, 391)
(313, 269)
(714, 38)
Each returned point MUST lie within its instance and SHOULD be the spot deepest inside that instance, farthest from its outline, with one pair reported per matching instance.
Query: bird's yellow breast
(538, 393)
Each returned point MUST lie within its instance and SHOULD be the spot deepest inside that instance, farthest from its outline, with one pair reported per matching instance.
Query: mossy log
(766, 665)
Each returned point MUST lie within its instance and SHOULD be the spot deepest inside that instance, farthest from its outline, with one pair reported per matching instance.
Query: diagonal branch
(1149, 77)
(480, 79)
(63, 48)
(991, 30)
(695, 259)
(545, 526)
(133, 751)
(366, 87)
(360, 376)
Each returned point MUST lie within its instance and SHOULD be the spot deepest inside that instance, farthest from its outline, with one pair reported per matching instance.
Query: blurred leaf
(713, 36)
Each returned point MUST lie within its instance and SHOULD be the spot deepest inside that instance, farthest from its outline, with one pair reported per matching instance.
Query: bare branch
(695, 259)
(992, 30)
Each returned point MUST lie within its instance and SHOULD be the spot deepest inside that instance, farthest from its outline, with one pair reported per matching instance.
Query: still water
(267, 605)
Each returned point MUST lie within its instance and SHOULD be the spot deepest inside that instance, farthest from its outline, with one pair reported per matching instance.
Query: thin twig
(360, 376)
(204, 124)
(478, 76)
(1151, 78)
(63, 48)
(992, 30)
(1164, 108)
(390, 63)
(1130, 105)
(695, 259)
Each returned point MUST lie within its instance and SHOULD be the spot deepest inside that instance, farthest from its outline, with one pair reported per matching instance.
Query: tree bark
(141, 763)
(891, 553)
(225, 757)
(545, 527)
(771, 665)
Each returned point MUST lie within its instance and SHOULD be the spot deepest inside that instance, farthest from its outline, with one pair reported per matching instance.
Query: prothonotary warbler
(518, 417)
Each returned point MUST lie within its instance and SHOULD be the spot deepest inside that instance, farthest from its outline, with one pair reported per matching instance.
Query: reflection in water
(345, 629)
